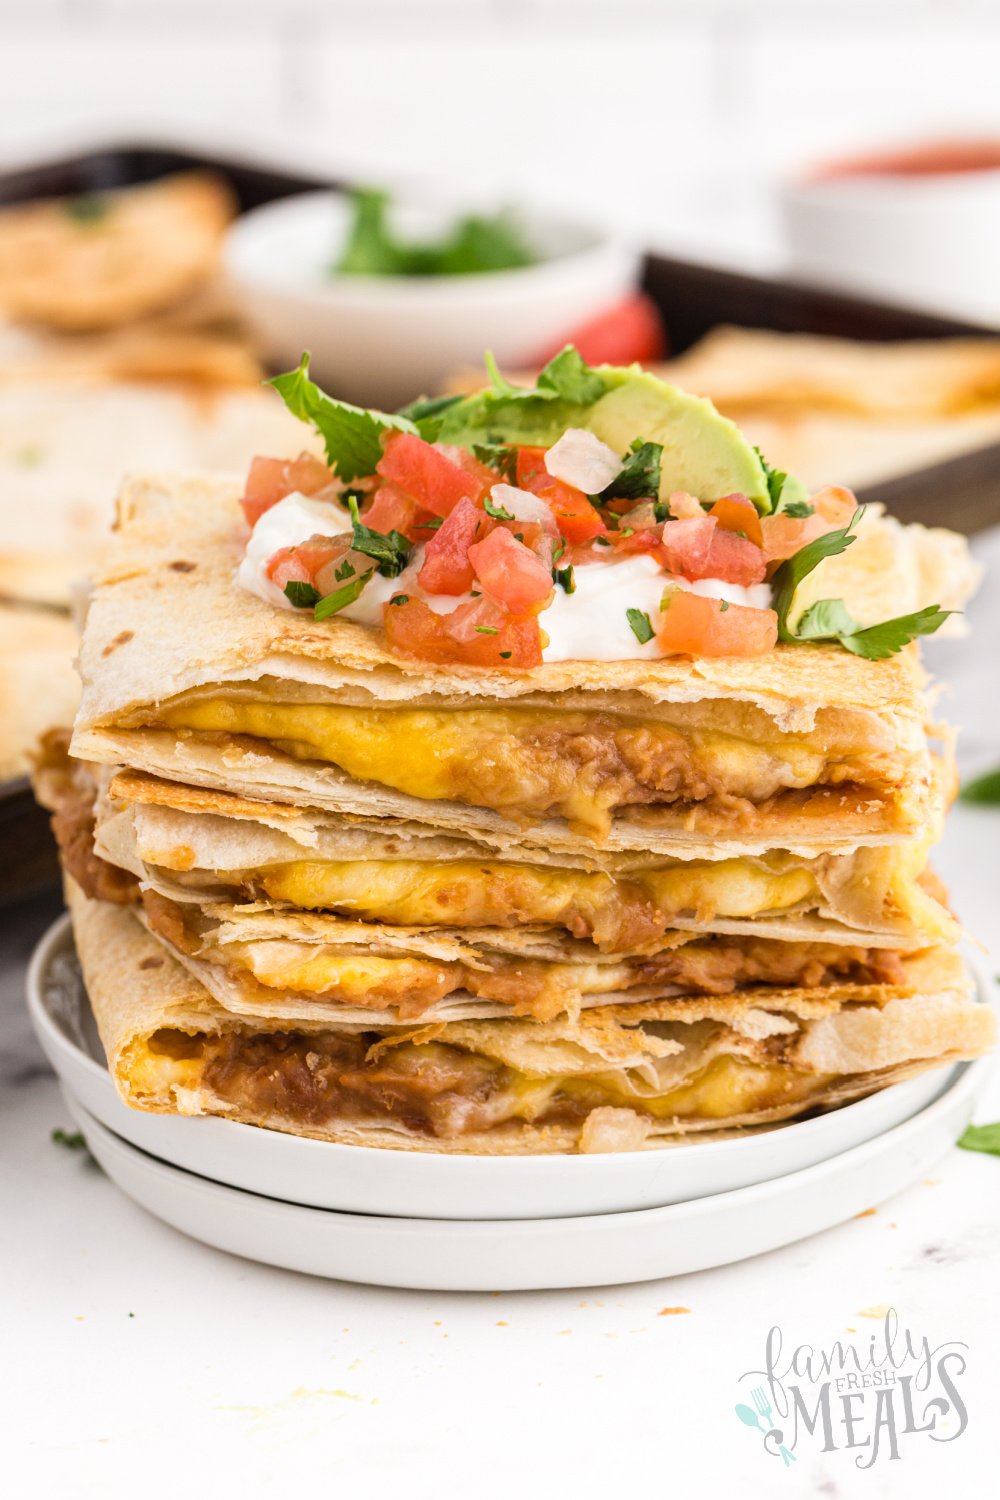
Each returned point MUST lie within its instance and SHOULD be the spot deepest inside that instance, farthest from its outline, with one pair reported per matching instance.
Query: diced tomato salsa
(502, 564)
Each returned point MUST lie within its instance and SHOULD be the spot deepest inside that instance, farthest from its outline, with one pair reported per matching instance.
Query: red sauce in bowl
(931, 159)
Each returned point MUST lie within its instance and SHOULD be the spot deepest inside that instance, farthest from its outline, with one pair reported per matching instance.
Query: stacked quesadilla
(358, 847)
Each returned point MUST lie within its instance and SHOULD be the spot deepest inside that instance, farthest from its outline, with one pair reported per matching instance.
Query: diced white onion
(580, 458)
(523, 506)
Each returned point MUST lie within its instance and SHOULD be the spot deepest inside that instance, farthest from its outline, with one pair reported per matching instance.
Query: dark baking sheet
(693, 299)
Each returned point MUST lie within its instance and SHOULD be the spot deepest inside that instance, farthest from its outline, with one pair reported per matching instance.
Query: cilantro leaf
(391, 550)
(642, 629)
(500, 457)
(501, 386)
(826, 620)
(569, 377)
(496, 511)
(831, 620)
(786, 492)
(428, 412)
(566, 578)
(474, 244)
(981, 1138)
(797, 567)
(352, 435)
(302, 595)
(984, 789)
(876, 642)
(799, 509)
(639, 476)
(331, 604)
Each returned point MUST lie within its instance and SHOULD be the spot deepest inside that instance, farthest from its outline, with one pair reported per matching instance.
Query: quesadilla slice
(615, 1078)
(200, 846)
(807, 748)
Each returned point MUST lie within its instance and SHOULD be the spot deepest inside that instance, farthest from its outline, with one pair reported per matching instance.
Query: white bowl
(433, 1185)
(382, 340)
(532, 1254)
(931, 240)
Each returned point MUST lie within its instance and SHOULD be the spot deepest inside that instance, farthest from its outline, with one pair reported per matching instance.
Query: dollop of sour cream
(590, 624)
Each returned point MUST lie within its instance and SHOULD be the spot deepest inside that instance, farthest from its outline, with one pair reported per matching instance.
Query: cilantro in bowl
(472, 245)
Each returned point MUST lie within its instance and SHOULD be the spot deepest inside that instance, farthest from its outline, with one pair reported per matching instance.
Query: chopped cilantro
(506, 655)
(639, 478)
(400, 599)
(786, 492)
(641, 627)
(498, 456)
(723, 606)
(391, 550)
(474, 244)
(352, 435)
(346, 570)
(487, 629)
(302, 595)
(431, 525)
(496, 511)
(798, 508)
(566, 578)
(331, 604)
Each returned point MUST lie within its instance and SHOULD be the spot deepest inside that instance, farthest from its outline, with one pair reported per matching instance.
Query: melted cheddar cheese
(616, 911)
(525, 761)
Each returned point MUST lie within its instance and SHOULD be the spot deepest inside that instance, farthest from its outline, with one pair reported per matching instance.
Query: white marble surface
(136, 1361)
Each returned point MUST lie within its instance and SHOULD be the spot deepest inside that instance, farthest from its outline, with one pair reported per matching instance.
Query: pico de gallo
(505, 552)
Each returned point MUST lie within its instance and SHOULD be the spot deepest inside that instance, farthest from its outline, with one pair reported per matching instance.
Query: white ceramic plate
(355, 1179)
(385, 339)
(537, 1254)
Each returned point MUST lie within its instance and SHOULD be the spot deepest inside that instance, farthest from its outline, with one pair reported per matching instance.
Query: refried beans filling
(712, 965)
(436, 1089)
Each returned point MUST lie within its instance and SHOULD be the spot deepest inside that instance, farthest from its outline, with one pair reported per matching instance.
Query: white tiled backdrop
(676, 115)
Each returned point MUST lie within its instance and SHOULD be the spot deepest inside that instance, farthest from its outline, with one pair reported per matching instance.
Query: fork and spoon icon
(751, 1418)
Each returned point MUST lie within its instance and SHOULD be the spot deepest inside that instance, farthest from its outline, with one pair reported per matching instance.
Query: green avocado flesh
(703, 452)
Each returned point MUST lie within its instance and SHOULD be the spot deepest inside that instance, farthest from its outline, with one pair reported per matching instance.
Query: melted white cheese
(591, 624)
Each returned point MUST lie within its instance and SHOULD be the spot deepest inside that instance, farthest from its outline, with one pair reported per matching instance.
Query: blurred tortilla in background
(100, 260)
(38, 682)
(118, 350)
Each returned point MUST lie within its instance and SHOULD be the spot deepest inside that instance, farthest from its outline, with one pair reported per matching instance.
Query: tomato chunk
(784, 535)
(479, 633)
(392, 510)
(271, 479)
(701, 548)
(510, 572)
(577, 519)
(686, 545)
(693, 626)
(303, 563)
(446, 567)
(737, 513)
(427, 474)
(631, 329)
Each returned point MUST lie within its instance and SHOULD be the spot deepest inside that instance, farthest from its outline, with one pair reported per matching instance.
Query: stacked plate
(467, 1223)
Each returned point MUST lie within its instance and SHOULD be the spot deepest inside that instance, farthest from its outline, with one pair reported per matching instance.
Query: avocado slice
(703, 452)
